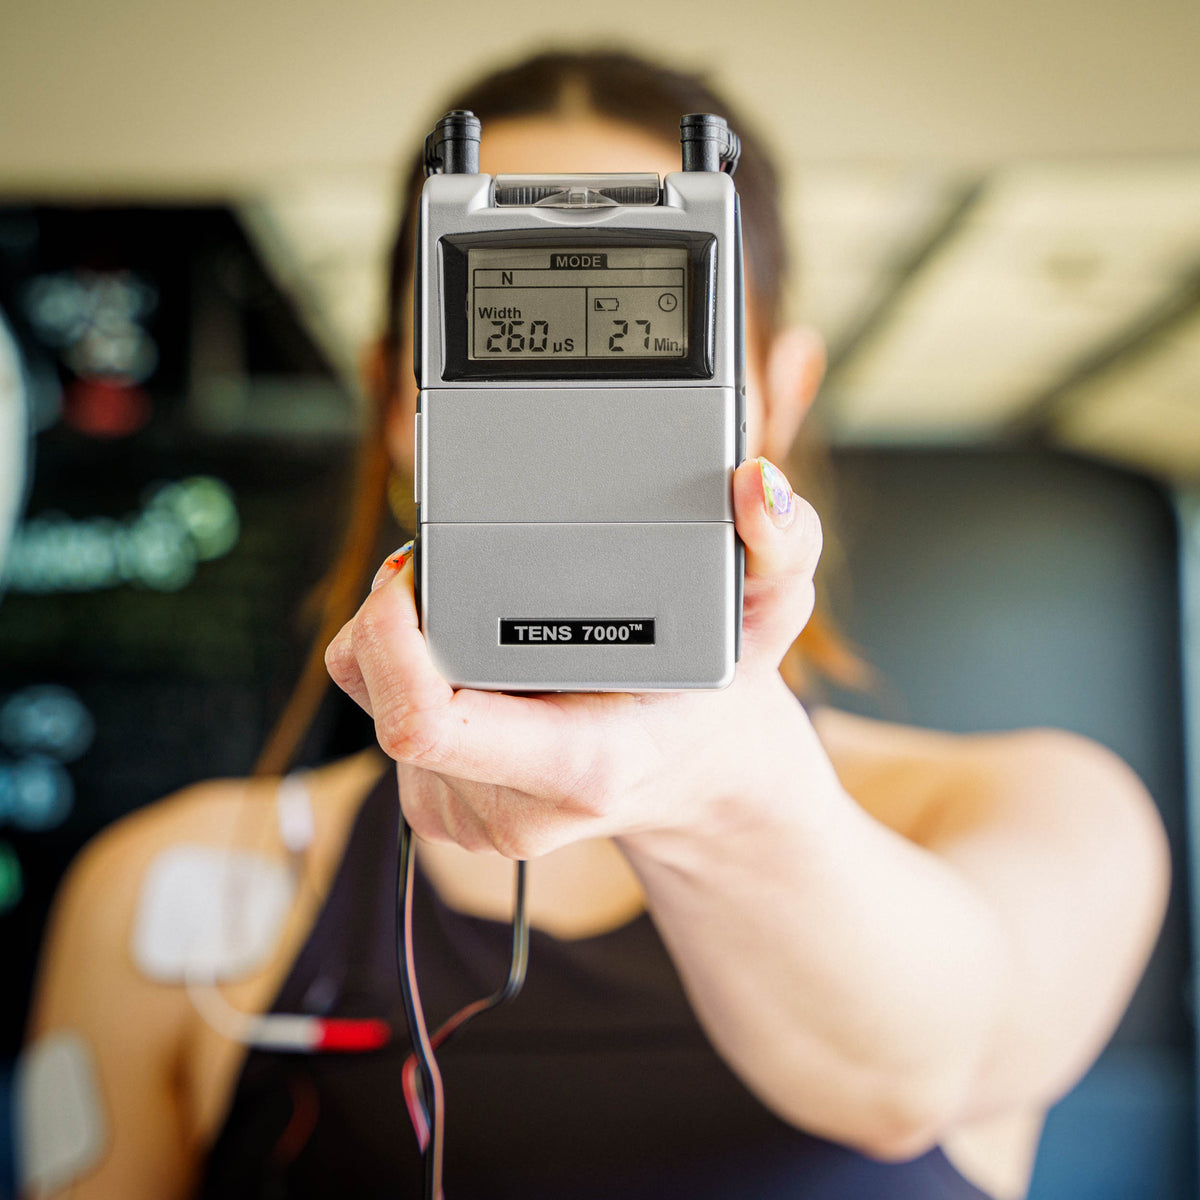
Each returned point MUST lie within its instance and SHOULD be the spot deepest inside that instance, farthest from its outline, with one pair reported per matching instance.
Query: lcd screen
(609, 302)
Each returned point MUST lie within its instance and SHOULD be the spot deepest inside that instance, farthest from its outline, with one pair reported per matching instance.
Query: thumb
(782, 535)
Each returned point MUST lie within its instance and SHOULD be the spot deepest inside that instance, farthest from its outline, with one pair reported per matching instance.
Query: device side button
(418, 456)
(739, 594)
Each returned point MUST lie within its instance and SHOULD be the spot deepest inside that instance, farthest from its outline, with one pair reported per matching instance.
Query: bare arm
(88, 985)
(881, 992)
(876, 986)
(1064, 842)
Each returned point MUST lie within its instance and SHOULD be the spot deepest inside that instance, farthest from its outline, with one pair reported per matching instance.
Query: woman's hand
(870, 985)
(523, 775)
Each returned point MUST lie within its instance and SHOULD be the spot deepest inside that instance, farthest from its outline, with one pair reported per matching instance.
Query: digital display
(609, 302)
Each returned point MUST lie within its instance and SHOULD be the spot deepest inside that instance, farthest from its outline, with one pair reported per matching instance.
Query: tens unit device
(579, 353)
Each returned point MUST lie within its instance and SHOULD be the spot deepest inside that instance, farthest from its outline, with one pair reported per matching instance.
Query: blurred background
(996, 209)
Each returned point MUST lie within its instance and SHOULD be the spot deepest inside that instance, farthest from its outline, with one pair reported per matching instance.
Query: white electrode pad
(293, 806)
(209, 915)
(61, 1128)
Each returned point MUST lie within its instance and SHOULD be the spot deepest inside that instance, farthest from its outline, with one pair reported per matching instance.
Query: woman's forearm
(851, 979)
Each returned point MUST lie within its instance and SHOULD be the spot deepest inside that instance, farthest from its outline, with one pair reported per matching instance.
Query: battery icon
(606, 303)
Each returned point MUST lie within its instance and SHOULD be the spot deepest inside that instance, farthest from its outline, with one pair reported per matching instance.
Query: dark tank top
(596, 1083)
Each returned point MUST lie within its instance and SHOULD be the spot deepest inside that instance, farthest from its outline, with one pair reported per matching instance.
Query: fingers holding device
(781, 533)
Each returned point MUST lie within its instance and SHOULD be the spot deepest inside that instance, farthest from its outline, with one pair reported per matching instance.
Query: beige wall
(1079, 118)
(218, 95)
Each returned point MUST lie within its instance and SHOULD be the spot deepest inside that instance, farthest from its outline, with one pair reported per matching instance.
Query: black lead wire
(433, 1100)
(431, 1078)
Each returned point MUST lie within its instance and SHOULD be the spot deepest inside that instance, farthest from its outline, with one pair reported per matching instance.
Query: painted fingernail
(392, 564)
(777, 494)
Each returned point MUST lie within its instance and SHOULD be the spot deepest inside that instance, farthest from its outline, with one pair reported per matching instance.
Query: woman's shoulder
(224, 814)
(925, 783)
(1063, 842)
(122, 943)
(96, 911)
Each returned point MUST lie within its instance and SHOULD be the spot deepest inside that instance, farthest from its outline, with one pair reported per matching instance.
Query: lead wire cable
(421, 1077)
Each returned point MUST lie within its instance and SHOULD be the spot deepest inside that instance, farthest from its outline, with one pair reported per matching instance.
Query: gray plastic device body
(566, 502)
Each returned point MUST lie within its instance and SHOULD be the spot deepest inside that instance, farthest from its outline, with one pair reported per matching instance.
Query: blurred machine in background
(191, 447)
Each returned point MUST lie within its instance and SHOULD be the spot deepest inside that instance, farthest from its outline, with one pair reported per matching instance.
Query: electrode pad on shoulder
(61, 1125)
(579, 350)
(209, 914)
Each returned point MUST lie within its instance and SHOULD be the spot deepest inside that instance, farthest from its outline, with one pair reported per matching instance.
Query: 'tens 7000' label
(523, 631)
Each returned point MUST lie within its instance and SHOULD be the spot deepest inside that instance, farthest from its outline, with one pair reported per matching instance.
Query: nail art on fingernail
(392, 564)
(777, 494)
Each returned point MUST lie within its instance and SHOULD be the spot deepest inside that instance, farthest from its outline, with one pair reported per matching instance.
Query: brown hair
(608, 83)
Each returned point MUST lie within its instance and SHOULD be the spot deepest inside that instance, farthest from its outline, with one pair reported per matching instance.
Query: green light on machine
(12, 885)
